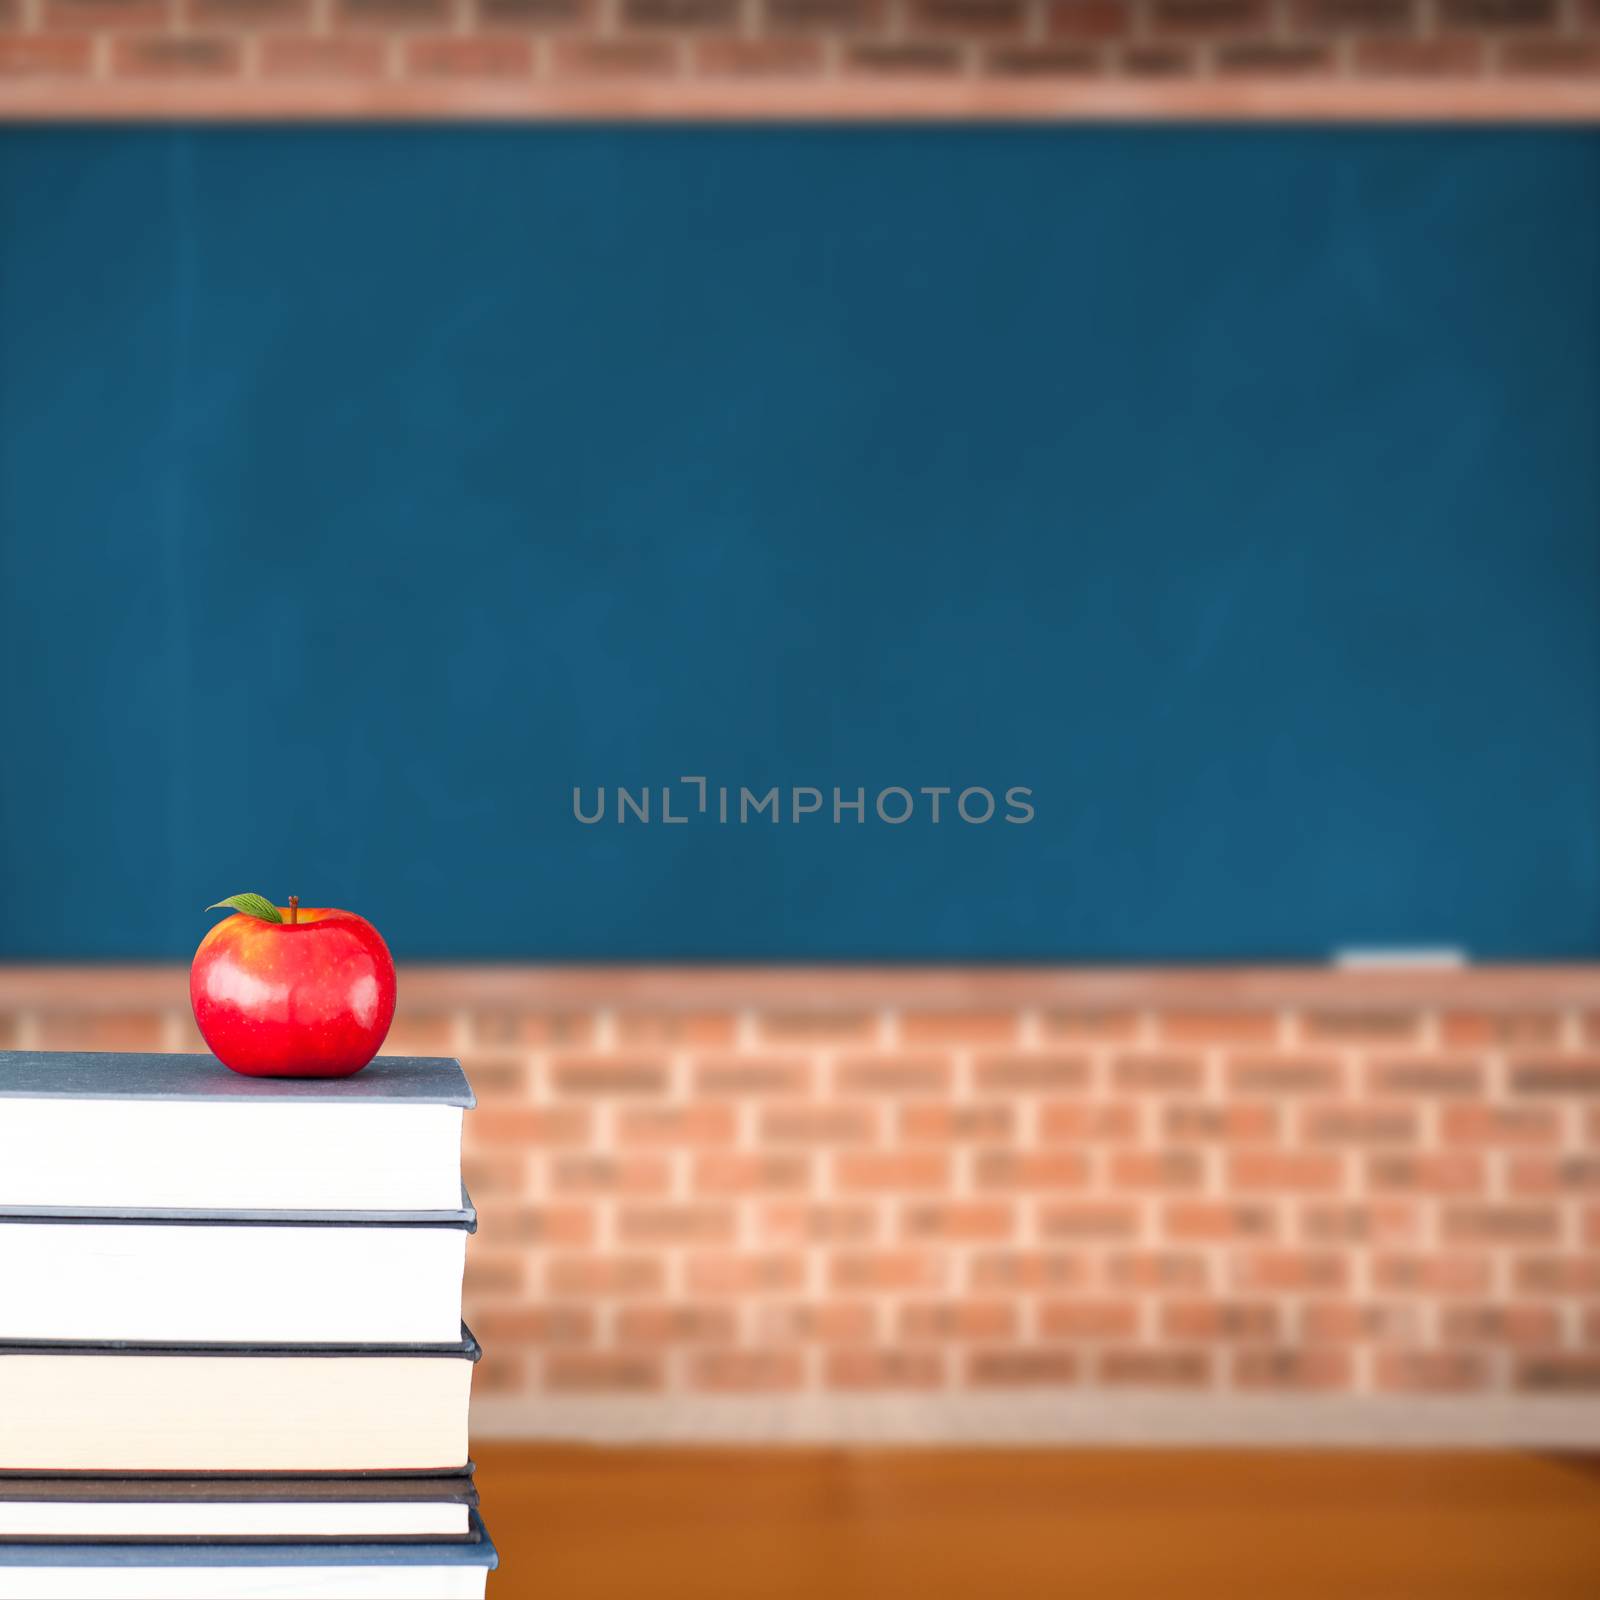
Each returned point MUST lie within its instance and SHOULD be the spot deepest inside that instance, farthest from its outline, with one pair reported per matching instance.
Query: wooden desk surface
(835, 1524)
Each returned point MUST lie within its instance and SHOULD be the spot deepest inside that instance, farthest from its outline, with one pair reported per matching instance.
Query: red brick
(675, 1224)
(679, 15)
(738, 1172)
(746, 1371)
(938, 1124)
(1088, 21)
(494, 1272)
(676, 1030)
(930, 1322)
(249, 14)
(1386, 1222)
(1219, 1319)
(1498, 15)
(886, 1074)
(605, 1275)
(817, 1322)
(542, 1324)
(108, 1030)
(1157, 1169)
(493, 1078)
(1284, 1170)
(1360, 1124)
(103, 16)
(818, 1027)
(745, 1274)
(1146, 1073)
(884, 1369)
(1326, 1368)
(1500, 1125)
(1023, 1270)
(635, 1174)
(503, 1370)
(41, 56)
(1425, 1075)
(697, 1124)
(1522, 1326)
(805, 1124)
(1031, 1074)
(796, 1222)
(1212, 1027)
(1158, 1369)
(1414, 1273)
(677, 1324)
(488, 1174)
(1361, 1024)
(1283, 1074)
(1501, 1224)
(1558, 1374)
(499, 1029)
(1502, 1030)
(1291, 1270)
(525, 1125)
(1557, 1276)
(536, 1226)
(751, 1076)
(860, 1270)
(1157, 1269)
(828, 16)
(1555, 1174)
(1020, 1369)
(967, 18)
(628, 1372)
(1157, 61)
(892, 1170)
(1357, 16)
(633, 60)
(1088, 1219)
(1219, 1219)
(1449, 1172)
(1418, 58)
(390, 14)
(1088, 1121)
(1430, 1371)
(1089, 1319)
(958, 1027)
(606, 1075)
(1343, 1322)
(418, 1032)
(958, 1220)
(1030, 1169)
(1089, 1025)
(1262, 58)
(1241, 1122)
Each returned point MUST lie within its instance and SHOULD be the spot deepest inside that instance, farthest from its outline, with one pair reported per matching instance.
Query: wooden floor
(581, 1524)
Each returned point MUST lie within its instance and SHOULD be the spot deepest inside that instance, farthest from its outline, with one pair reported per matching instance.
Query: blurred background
(982, 734)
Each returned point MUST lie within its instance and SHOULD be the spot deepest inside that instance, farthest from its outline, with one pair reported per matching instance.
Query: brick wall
(801, 1189)
(798, 58)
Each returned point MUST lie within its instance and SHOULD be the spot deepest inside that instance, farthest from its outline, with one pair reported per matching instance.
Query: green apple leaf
(252, 905)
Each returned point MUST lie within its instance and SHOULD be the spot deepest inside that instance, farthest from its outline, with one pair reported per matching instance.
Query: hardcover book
(223, 1277)
(189, 1510)
(191, 1408)
(455, 1570)
(116, 1131)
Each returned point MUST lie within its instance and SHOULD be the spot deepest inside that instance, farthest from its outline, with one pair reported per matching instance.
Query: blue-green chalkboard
(364, 492)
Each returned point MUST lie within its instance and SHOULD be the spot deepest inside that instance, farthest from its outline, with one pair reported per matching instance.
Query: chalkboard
(1236, 493)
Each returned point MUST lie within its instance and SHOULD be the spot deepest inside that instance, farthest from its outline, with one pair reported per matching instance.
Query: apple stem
(294, 909)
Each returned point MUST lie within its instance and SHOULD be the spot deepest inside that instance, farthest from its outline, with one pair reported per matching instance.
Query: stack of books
(232, 1361)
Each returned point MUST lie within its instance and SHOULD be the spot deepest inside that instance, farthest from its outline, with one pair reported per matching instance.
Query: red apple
(292, 991)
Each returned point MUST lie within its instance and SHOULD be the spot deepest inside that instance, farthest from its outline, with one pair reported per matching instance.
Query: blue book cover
(476, 1551)
(125, 1075)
